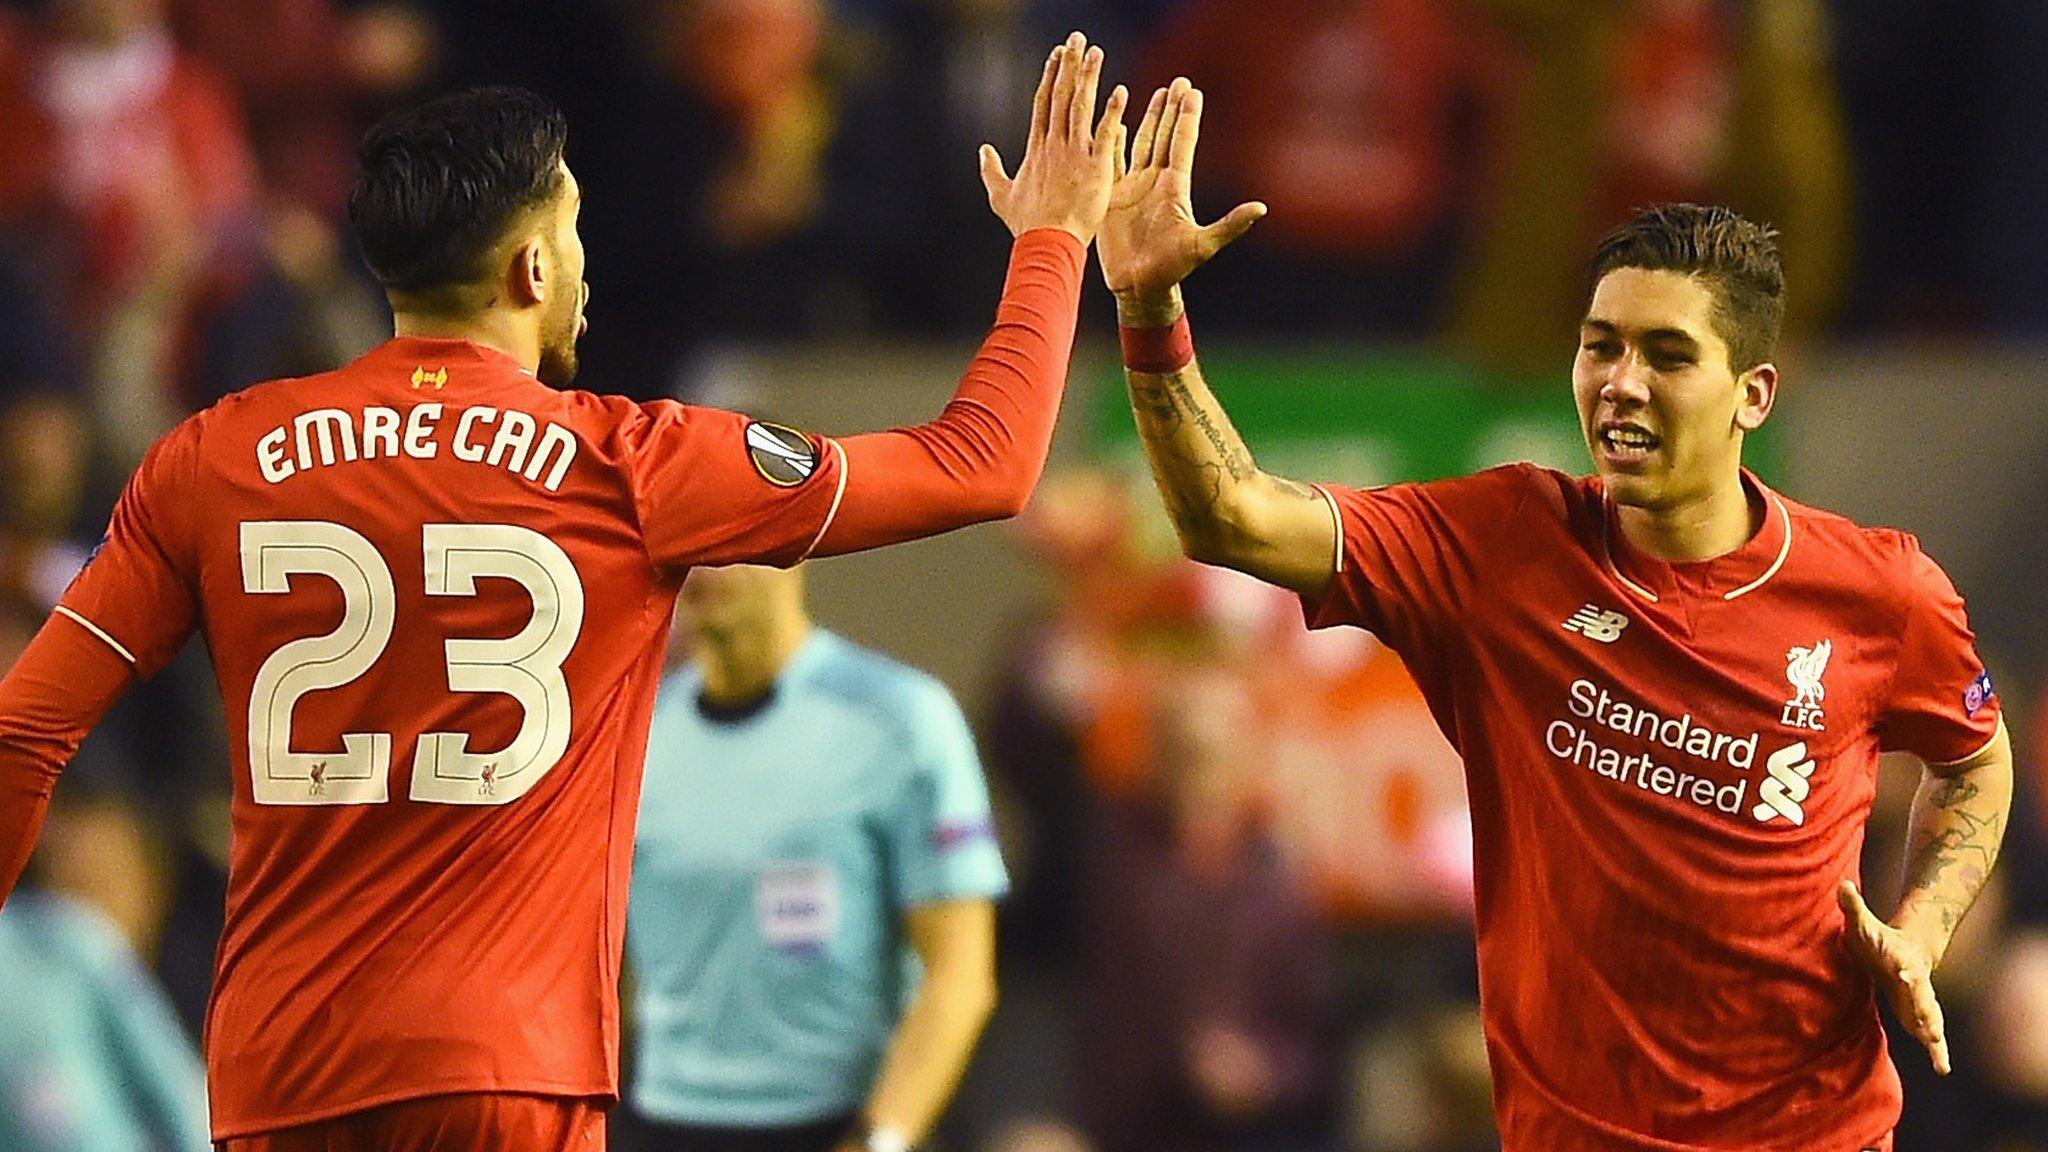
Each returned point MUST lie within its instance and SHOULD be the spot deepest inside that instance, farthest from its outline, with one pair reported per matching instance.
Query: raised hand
(1064, 178)
(1903, 968)
(1150, 241)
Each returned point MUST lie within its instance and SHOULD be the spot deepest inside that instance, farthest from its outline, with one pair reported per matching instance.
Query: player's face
(564, 323)
(1662, 411)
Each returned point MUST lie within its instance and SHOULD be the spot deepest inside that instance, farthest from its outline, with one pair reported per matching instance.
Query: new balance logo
(1596, 623)
(1786, 791)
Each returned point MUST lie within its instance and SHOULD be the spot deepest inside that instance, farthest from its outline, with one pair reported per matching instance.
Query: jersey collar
(1729, 576)
(437, 352)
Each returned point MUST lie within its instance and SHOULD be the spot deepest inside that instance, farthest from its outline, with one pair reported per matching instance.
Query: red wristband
(1158, 350)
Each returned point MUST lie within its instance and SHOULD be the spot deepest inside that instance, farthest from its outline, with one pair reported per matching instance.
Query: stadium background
(782, 215)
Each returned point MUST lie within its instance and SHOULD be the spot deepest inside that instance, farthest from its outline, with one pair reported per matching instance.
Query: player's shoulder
(619, 425)
(1875, 557)
(260, 402)
(1845, 542)
(1503, 486)
(1519, 483)
(1517, 496)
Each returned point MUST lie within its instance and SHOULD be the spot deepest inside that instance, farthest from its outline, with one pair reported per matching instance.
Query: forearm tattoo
(1955, 843)
(1194, 450)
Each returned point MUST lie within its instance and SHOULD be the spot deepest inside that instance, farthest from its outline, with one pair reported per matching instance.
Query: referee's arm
(956, 941)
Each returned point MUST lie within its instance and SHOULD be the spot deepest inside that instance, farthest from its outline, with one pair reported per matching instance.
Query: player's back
(427, 586)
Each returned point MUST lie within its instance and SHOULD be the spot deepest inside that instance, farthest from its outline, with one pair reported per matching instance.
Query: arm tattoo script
(1190, 440)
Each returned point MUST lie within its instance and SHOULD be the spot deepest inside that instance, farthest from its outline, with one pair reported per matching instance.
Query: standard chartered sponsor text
(1599, 712)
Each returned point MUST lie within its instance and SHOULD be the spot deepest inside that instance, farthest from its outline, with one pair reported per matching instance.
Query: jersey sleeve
(50, 699)
(715, 487)
(982, 457)
(138, 591)
(1408, 554)
(1940, 706)
(941, 833)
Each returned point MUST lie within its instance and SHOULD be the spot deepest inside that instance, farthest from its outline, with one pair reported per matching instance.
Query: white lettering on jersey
(471, 417)
(332, 424)
(420, 425)
(1585, 742)
(323, 437)
(270, 457)
(380, 433)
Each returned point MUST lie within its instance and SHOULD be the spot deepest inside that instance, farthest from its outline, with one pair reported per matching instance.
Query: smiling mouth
(1628, 443)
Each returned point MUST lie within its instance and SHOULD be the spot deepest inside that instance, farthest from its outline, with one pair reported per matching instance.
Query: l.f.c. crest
(1804, 668)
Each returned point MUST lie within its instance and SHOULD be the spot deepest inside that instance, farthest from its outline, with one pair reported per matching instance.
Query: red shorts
(469, 1122)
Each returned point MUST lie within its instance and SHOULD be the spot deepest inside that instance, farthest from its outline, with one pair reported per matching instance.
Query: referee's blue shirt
(778, 850)
(92, 1057)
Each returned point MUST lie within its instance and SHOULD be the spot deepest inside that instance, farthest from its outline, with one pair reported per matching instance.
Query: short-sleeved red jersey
(437, 596)
(1670, 769)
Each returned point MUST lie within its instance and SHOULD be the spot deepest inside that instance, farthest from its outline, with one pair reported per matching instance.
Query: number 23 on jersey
(526, 666)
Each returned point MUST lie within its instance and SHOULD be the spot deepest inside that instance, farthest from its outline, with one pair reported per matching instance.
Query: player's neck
(514, 335)
(740, 665)
(1714, 525)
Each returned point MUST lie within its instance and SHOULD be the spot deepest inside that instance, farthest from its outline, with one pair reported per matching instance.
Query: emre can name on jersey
(381, 432)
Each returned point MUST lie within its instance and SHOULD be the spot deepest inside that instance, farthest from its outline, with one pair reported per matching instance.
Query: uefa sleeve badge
(1977, 694)
(783, 456)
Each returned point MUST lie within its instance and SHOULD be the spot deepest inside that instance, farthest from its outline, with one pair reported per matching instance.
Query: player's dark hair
(1736, 259)
(443, 180)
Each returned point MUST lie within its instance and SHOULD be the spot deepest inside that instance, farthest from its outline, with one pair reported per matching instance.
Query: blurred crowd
(1242, 909)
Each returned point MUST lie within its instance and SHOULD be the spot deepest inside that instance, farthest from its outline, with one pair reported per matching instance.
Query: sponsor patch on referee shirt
(783, 456)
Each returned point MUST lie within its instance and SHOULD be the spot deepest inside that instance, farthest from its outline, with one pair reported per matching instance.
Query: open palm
(1149, 240)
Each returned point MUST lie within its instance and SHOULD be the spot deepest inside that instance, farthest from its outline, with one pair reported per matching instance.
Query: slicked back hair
(442, 181)
(1736, 259)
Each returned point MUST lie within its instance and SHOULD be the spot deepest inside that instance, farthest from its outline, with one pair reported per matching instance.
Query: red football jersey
(1670, 769)
(437, 596)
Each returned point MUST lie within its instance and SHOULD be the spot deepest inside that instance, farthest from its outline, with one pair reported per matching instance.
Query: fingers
(1911, 986)
(1926, 1021)
(1181, 144)
(1083, 108)
(993, 177)
(1239, 221)
(1148, 129)
(1863, 923)
(1065, 86)
(1169, 117)
(1041, 103)
(1109, 132)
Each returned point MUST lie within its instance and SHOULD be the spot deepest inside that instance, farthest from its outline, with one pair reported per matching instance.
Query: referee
(812, 922)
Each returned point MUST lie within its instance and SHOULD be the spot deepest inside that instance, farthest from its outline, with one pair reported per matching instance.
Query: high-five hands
(1150, 241)
(1903, 968)
(1065, 176)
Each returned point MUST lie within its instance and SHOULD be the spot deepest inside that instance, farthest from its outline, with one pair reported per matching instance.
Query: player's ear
(1759, 394)
(531, 273)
